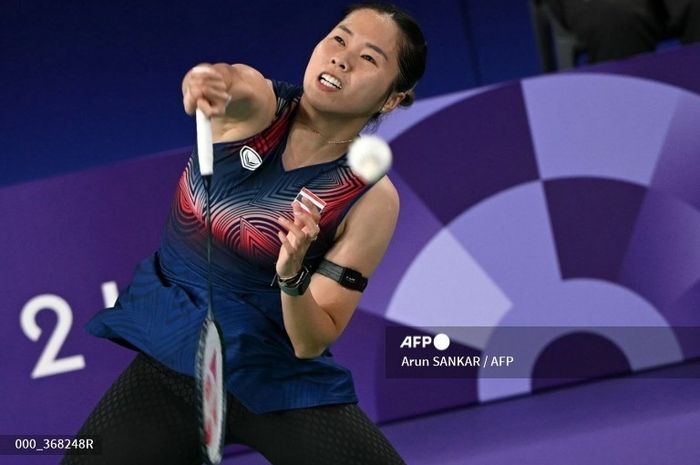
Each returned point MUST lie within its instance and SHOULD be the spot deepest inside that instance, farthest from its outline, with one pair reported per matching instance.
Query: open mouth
(330, 81)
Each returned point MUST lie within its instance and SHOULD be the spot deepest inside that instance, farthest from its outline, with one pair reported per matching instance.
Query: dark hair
(413, 49)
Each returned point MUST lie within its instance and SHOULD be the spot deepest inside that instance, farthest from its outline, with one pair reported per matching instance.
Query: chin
(321, 102)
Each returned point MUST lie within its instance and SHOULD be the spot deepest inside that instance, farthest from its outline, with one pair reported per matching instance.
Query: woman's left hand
(300, 234)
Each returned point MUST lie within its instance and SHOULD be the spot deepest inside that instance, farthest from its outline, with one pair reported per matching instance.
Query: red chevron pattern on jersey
(246, 203)
(191, 196)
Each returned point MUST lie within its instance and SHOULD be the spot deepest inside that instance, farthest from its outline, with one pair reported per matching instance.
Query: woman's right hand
(205, 87)
(237, 98)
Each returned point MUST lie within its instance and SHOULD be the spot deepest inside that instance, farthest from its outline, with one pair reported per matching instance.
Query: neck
(329, 127)
(318, 138)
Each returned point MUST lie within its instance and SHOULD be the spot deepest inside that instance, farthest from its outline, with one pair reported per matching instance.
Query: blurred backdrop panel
(87, 83)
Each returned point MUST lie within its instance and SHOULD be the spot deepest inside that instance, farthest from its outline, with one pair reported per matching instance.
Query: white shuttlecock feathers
(369, 158)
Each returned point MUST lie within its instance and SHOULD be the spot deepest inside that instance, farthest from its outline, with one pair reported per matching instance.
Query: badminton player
(295, 233)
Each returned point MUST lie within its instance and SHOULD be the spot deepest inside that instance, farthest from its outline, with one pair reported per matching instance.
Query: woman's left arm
(317, 318)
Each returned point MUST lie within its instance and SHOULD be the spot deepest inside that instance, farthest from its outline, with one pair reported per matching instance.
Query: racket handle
(204, 144)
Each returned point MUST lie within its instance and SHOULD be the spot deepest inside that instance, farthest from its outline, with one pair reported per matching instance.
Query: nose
(340, 63)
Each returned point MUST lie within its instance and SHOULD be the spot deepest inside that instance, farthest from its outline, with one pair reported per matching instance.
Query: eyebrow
(370, 45)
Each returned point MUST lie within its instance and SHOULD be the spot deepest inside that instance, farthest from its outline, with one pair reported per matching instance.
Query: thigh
(336, 434)
(146, 417)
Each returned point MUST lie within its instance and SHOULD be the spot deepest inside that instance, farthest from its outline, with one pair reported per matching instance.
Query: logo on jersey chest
(250, 159)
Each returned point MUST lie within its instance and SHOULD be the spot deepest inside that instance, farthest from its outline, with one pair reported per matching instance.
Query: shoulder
(373, 217)
(381, 198)
(260, 101)
(378, 205)
(246, 72)
(246, 82)
(270, 92)
(285, 91)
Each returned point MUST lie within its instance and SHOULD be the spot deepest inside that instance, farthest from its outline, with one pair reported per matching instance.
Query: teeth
(328, 79)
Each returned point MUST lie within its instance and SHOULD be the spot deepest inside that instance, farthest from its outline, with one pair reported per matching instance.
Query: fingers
(204, 105)
(294, 245)
(308, 222)
(307, 209)
(204, 88)
(290, 260)
(286, 245)
(301, 232)
(298, 237)
(189, 103)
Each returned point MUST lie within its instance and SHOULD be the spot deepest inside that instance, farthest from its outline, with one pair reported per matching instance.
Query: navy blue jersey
(161, 312)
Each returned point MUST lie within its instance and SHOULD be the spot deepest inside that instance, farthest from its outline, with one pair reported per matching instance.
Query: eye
(339, 40)
(369, 58)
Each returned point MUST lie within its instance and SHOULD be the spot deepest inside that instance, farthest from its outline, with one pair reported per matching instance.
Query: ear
(392, 102)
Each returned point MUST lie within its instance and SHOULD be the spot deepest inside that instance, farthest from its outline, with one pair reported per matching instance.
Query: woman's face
(351, 71)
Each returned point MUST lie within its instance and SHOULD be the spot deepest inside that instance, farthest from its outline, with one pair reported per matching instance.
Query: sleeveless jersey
(162, 310)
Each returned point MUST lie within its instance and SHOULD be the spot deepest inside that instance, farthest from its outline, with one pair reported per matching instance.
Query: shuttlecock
(369, 158)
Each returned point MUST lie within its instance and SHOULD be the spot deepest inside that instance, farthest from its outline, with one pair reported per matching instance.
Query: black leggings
(148, 416)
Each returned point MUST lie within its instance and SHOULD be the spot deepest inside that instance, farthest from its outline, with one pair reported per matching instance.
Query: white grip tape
(204, 144)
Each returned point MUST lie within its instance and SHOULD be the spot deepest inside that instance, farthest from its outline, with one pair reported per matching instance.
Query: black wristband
(296, 285)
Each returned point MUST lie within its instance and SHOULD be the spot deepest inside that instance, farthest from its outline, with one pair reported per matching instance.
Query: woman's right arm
(240, 101)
